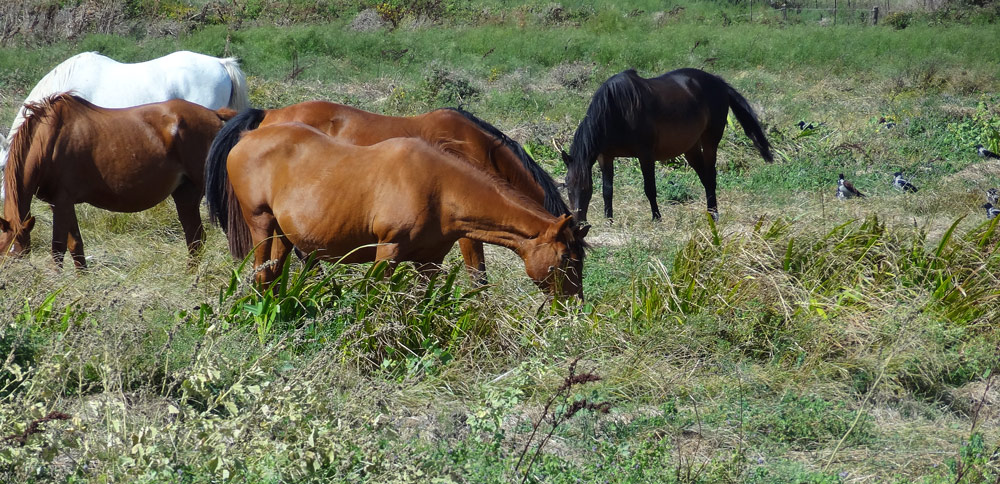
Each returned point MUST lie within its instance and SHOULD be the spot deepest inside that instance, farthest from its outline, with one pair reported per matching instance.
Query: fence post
(784, 13)
(834, 12)
(874, 15)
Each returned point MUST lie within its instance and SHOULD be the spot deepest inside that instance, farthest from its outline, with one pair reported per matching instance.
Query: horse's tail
(553, 201)
(223, 207)
(238, 99)
(751, 126)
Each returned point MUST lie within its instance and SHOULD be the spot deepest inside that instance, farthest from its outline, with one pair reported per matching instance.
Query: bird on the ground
(804, 125)
(900, 183)
(846, 190)
(991, 211)
(993, 195)
(985, 153)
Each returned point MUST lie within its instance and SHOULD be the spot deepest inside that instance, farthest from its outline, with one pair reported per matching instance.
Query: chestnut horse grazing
(458, 132)
(682, 112)
(289, 185)
(70, 151)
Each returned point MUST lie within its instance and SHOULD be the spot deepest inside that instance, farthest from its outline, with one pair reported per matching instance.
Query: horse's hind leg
(475, 260)
(66, 234)
(703, 162)
(187, 198)
(647, 164)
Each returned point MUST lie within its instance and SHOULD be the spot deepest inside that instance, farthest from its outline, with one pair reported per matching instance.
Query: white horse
(209, 81)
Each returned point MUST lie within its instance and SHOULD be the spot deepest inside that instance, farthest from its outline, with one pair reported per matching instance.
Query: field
(798, 339)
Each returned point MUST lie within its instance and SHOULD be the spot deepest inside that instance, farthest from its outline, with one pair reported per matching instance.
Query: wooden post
(834, 12)
(784, 13)
(750, 4)
(874, 15)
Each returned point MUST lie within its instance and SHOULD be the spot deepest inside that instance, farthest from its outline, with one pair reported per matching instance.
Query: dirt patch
(983, 175)
(974, 398)
(368, 20)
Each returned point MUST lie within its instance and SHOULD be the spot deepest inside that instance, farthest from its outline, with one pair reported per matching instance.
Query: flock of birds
(846, 190)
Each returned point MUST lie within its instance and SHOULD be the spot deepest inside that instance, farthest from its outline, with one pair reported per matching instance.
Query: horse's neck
(498, 216)
(513, 170)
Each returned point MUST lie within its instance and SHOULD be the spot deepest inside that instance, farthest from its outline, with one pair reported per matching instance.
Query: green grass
(799, 339)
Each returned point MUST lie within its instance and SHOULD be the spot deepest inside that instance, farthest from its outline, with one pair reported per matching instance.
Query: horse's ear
(28, 224)
(561, 223)
(568, 160)
(581, 232)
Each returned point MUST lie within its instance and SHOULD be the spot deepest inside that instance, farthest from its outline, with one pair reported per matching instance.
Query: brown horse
(69, 151)
(682, 112)
(399, 200)
(458, 132)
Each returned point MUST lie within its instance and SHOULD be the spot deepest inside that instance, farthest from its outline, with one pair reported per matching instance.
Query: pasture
(797, 339)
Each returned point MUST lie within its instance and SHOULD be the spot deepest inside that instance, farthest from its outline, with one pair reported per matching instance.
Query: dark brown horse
(682, 112)
(403, 199)
(458, 132)
(69, 151)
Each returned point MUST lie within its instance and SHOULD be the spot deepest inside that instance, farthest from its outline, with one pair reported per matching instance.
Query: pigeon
(846, 190)
(991, 211)
(985, 153)
(993, 195)
(900, 183)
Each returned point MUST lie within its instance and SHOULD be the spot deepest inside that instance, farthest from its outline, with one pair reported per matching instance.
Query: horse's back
(108, 83)
(324, 193)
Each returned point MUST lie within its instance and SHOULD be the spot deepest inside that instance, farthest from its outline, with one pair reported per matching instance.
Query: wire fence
(834, 12)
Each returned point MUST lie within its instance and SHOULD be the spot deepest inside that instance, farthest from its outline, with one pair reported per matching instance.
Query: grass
(800, 339)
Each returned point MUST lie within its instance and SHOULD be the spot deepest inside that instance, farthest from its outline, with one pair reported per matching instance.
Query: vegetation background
(800, 339)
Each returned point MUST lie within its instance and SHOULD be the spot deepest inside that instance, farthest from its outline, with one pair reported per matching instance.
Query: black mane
(554, 203)
(617, 103)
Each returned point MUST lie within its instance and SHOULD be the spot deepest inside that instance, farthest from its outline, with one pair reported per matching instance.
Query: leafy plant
(982, 128)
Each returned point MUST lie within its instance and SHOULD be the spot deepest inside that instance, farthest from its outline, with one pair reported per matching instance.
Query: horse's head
(579, 185)
(15, 240)
(555, 259)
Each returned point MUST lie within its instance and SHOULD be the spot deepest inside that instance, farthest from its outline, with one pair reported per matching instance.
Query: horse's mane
(21, 142)
(553, 202)
(618, 101)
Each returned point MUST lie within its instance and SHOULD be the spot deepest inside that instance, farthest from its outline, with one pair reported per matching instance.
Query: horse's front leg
(647, 164)
(66, 234)
(388, 252)
(261, 231)
(187, 198)
(475, 260)
(607, 183)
